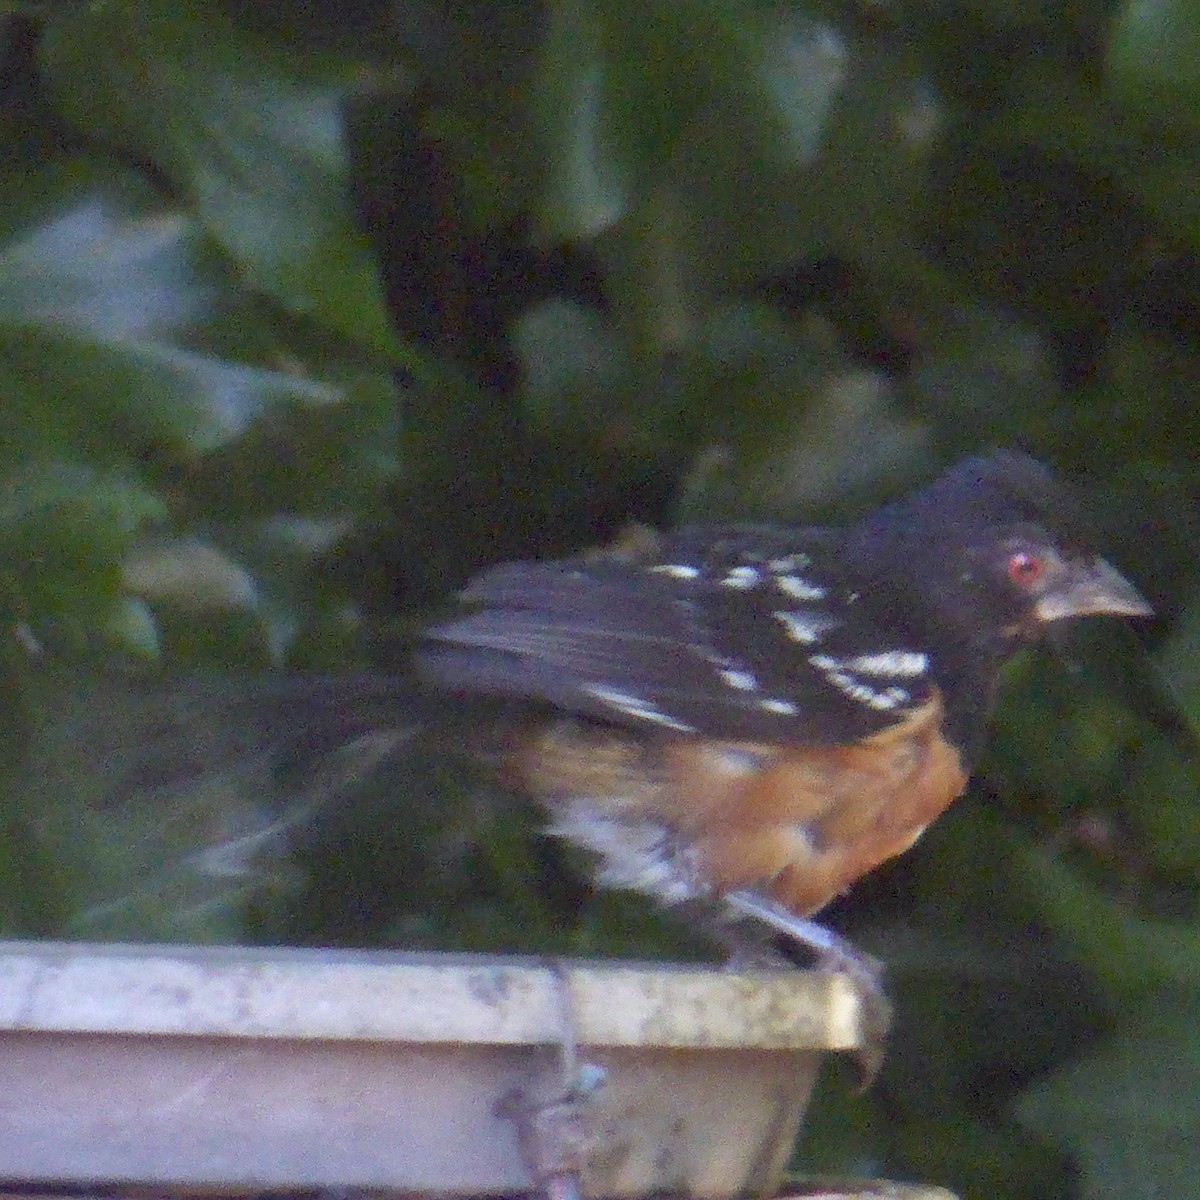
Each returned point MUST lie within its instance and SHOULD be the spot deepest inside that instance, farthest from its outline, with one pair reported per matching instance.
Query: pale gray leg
(834, 954)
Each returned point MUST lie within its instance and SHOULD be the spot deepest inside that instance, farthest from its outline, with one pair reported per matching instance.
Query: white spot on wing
(805, 627)
(743, 578)
(799, 589)
(744, 681)
(676, 570)
(784, 707)
(902, 664)
(789, 562)
(635, 706)
(839, 674)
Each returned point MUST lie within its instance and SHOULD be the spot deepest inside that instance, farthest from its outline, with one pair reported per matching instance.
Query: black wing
(740, 633)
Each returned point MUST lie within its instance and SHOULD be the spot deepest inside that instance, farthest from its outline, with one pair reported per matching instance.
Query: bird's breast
(685, 817)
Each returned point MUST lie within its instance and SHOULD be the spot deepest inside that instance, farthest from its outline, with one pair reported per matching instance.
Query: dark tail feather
(201, 789)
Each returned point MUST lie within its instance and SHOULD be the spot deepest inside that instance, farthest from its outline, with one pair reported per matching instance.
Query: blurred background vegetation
(308, 310)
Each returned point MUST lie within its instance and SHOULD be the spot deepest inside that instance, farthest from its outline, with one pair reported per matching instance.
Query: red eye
(1025, 569)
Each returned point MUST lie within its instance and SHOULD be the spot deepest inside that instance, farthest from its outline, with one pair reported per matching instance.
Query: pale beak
(1089, 589)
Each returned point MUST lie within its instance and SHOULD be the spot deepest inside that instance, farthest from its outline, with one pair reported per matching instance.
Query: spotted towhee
(758, 716)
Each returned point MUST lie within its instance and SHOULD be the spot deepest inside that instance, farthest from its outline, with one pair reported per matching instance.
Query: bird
(752, 717)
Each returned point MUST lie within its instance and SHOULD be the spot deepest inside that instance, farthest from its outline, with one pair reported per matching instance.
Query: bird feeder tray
(223, 1069)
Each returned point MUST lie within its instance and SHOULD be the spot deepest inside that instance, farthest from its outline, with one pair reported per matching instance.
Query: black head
(999, 548)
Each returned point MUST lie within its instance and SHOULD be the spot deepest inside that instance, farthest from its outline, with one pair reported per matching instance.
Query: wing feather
(653, 643)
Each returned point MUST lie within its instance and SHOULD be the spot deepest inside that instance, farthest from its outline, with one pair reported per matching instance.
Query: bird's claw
(865, 975)
(835, 955)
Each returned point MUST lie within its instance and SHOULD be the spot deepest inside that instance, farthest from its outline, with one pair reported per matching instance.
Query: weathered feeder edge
(251, 992)
(225, 1068)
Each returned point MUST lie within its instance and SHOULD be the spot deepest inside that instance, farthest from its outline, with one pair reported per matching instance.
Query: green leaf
(1178, 663)
(620, 92)
(72, 389)
(40, 496)
(132, 627)
(573, 365)
(63, 530)
(1093, 733)
(1126, 952)
(973, 1156)
(1160, 791)
(190, 572)
(103, 300)
(1067, 118)
(587, 184)
(790, 423)
(93, 302)
(253, 136)
(1153, 60)
(1130, 1109)
(864, 194)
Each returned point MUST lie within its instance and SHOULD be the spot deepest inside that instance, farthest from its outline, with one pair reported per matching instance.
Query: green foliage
(1152, 61)
(249, 135)
(307, 311)
(1128, 1108)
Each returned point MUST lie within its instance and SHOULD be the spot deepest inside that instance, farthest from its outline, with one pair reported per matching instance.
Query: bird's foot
(835, 955)
(865, 974)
